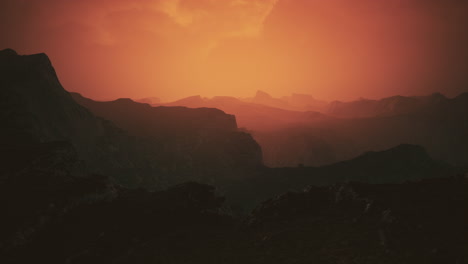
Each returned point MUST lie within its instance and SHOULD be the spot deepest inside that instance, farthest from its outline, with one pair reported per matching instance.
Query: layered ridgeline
(301, 130)
(142, 146)
(57, 207)
(404, 162)
(400, 164)
(203, 137)
(155, 147)
(437, 123)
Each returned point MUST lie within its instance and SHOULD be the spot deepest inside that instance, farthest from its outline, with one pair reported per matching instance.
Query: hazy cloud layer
(174, 48)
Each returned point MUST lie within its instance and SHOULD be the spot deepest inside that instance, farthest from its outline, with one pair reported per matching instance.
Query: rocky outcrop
(201, 139)
(141, 145)
(144, 120)
(345, 223)
(365, 223)
(36, 108)
(39, 183)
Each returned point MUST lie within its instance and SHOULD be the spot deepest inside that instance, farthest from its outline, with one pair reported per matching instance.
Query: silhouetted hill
(306, 102)
(294, 102)
(265, 99)
(191, 101)
(251, 115)
(396, 165)
(145, 120)
(348, 129)
(36, 108)
(402, 163)
(57, 207)
(206, 138)
(396, 105)
(437, 123)
(149, 100)
(159, 147)
(31, 96)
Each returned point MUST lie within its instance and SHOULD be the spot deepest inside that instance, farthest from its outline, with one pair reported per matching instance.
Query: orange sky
(334, 49)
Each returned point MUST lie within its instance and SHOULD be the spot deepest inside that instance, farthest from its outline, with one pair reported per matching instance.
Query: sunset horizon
(336, 50)
(233, 131)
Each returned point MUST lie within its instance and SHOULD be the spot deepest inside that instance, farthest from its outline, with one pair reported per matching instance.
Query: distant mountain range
(250, 115)
(83, 181)
(164, 145)
(139, 146)
(339, 131)
(437, 123)
(154, 147)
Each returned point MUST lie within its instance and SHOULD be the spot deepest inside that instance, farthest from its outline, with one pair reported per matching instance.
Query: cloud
(219, 18)
(176, 48)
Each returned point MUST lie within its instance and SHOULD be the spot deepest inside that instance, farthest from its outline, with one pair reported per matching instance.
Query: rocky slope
(400, 164)
(344, 223)
(56, 209)
(200, 138)
(142, 146)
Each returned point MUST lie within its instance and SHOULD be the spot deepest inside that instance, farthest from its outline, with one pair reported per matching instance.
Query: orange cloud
(335, 49)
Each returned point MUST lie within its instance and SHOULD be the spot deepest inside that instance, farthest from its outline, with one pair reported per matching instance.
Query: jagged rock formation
(204, 137)
(159, 147)
(55, 209)
(36, 108)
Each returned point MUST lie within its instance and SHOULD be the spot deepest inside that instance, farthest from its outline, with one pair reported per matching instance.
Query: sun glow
(176, 48)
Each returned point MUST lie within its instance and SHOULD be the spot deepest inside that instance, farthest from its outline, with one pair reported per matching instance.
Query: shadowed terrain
(83, 181)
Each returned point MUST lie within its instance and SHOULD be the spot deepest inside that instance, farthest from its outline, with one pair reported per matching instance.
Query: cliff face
(143, 120)
(35, 107)
(203, 137)
(139, 146)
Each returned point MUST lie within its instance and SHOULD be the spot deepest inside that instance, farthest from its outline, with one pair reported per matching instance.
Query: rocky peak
(261, 95)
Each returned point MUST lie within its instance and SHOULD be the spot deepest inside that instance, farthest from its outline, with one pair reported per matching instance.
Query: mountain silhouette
(395, 105)
(83, 181)
(139, 146)
(251, 115)
(294, 102)
(207, 136)
(395, 165)
(435, 122)
(149, 100)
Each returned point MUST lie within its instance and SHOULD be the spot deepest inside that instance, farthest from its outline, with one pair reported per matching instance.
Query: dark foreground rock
(419, 222)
